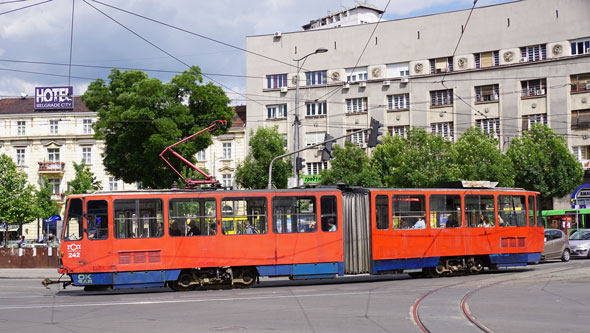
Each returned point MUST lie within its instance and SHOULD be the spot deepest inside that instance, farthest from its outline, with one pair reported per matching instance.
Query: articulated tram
(188, 239)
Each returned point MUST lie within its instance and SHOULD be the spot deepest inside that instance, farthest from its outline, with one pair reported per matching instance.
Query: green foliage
(45, 206)
(542, 162)
(350, 166)
(421, 160)
(478, 157)
(84, 182)
(266, 144)
(17, 197)
(140, 116)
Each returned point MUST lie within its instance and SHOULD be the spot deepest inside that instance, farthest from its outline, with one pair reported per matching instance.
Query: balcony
(59, 197)
(52, 167)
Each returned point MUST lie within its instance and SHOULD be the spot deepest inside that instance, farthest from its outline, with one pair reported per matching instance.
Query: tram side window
(531, 213)
(512, 211)
(74, 229)
(445, 211)
(243, 216)
(138, 218)
(539, 212)
(192, 217)
(408, 211)
(97, 212)
(480, 211)
(382, 212)
(294, 214)
(329, 209)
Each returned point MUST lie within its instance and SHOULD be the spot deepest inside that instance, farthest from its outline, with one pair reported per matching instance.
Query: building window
(582, 153)
(276, 81)
(580, 47)
(359, 138)
(53, 154)
(356, 105)
(113, 184)
(87, 126)
(20, 156)
(397, 70)
(441, 97)
(316, 78)
(580, 119)
(356, 74)
(580, 82)
(226, 180)
(487, 93)
(201, 156)
(87, 155)
(226, 151)
(314, 168)
(441, 65)
(316, 108)
(490, 126)
(398, 130)
(53, 126)
(533, 88)
(54, 185)
(534, 52)
(314, 138)
(487, 59)
(443, 129)
(21, 128)
(530, 120)
(278, 111)
(398, 102)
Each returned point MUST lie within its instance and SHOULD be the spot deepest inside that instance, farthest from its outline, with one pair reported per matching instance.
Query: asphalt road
(548, 297)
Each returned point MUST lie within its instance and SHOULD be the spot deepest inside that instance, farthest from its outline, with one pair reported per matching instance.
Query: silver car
(556, 245)
(580, 243)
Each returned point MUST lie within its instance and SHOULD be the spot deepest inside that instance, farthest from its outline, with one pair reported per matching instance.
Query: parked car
(556, 245)
(580, 243)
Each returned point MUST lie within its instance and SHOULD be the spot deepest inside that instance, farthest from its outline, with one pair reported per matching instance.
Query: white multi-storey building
(45, 143)
(513, 65)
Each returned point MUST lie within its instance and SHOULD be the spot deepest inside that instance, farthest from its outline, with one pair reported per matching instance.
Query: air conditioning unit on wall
(284, 89)
(363, 84)
(386, 83)
(405, 79)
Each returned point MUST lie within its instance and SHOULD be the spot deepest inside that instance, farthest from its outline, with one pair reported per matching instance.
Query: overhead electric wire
(71, 43)
(161, 49)
(25, 7)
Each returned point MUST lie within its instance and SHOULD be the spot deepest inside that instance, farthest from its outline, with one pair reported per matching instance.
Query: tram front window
(73, 228)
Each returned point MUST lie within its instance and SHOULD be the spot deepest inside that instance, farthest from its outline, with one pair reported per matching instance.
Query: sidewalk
(28, 273)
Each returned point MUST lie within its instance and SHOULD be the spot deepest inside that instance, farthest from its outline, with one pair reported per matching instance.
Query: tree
(542, 162)
(139, 116)
(17, 196)
(478, 157)
(45, 206)
(420, 160)
(266, 144)
(84, 181)
(350, 166)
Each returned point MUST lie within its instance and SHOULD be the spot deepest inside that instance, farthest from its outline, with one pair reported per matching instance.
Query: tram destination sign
(54, 98)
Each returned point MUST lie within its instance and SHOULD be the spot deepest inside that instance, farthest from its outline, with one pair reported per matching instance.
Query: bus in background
(567, 220)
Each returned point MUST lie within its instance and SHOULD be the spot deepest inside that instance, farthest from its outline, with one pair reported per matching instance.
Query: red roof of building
(239, 120)
(27, 106)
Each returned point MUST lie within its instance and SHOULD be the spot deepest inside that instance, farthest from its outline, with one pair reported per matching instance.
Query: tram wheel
(249, 278)
(183, 283)
(476, 268)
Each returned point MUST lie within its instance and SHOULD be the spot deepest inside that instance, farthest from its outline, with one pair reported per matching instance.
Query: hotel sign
(54, 98)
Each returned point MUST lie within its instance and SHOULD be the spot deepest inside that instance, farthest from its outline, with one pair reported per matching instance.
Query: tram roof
(309, 189)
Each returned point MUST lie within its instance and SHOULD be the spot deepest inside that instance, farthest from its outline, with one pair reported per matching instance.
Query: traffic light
(373, 141)
(299, 164)
(328, 148)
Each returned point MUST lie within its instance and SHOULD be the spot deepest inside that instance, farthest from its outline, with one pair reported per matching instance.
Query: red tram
(192, 239)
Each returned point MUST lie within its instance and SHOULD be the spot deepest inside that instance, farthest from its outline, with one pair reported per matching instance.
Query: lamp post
(296, 122)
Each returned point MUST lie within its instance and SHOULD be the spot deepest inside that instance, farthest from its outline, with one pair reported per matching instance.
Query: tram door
(97, 234)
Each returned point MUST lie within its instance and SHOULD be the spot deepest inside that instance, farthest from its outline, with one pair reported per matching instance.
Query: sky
(37, 38)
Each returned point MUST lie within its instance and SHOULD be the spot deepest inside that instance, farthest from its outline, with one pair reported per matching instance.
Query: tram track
(464, 305)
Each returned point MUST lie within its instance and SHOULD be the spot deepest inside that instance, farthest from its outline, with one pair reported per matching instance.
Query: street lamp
(296, 122)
